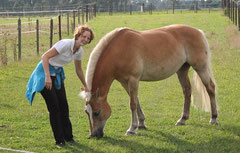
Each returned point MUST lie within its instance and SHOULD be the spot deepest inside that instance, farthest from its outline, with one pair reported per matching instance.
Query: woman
(48, 79)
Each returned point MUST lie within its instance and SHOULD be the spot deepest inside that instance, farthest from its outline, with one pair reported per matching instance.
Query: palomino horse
(131, 56)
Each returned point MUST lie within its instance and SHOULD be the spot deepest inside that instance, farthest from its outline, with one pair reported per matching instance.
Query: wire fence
(232, 10)
(160, 6)
(40, 29)
(34, 34)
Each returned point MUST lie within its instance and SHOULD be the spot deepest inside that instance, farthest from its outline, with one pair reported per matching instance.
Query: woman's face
(84, 38)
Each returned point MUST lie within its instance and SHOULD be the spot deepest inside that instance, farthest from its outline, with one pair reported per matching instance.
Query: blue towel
(36, 82)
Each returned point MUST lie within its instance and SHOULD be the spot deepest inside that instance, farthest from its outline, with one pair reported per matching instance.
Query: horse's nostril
(98, 133)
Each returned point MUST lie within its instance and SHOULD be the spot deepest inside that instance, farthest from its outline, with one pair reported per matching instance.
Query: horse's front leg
(133, 90)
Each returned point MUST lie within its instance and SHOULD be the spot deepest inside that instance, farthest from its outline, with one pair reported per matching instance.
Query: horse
(130, 56)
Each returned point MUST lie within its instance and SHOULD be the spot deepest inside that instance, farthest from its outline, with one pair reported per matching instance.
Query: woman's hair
(81, 29)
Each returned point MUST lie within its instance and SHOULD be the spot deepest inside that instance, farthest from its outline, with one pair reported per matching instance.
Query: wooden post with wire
(87, 13)
(238, 16)
(82, 15)
(74, 21)
(95, 10)
(59, 27)
(19, 39)
(37, 32)
(68, 24)
(51, 32)
(130, 9)
(78, 16)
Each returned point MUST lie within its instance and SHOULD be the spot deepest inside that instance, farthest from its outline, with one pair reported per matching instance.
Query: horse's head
(98, 111)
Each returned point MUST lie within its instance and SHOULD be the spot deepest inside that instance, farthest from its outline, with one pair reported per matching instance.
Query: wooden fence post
(68, 24)
(236, 13)
(239, 16)
(74, 22)
(130, 9)
(95, 10)
(90, 12)
(37, 31)
(82, 15)
(228, 8)
(87, 13)
(150, 9)
(78, 15)
(110, 8)
(51, 32)
(59, 27)
(233, 12)
(196, 6)
(19, 40)
(173, 7)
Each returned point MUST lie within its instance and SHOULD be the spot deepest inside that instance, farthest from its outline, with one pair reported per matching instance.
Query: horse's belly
(156, 73)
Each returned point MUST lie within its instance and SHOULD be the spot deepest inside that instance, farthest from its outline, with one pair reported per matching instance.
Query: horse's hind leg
(186, 87)
(207, 80)
(141, 117)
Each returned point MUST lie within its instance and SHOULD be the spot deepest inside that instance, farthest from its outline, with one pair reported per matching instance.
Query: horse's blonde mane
(94, 56)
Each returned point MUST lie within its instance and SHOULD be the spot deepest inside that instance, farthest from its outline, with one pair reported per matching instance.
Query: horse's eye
(97, 113)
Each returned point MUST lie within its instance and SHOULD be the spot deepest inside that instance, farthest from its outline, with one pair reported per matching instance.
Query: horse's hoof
(180, 123)
(130, 133)
(214, 122)
(142, 127)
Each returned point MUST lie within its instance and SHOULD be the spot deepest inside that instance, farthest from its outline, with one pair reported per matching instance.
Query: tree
(18, 6)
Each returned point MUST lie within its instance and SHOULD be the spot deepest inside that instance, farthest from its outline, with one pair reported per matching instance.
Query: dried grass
(233, 37)
(3, 51)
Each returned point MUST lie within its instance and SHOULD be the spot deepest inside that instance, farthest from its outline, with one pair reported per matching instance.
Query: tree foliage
(103, 5)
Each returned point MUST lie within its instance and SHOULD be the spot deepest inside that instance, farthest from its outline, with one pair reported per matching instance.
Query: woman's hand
(45, 61)
(85, 89)
(48, 83)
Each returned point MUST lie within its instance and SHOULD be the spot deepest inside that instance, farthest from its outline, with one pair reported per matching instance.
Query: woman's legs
(58, 113)
(63, 105)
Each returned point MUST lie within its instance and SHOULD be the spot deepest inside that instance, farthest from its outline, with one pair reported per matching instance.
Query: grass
(27, 127)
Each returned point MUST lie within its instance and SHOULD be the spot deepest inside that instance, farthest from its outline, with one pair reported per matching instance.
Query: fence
(232, 10)
(46, 28)
(63, 22)
(159, 6)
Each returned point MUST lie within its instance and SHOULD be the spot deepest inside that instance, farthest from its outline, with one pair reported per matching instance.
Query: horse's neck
(102, 81)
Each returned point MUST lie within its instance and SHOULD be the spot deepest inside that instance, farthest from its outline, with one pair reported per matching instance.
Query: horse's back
(168, 48)
(157, 54)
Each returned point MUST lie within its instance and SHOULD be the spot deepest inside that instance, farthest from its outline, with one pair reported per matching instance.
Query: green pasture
(25, 127)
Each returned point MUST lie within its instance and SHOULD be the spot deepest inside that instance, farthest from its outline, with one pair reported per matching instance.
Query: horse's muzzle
(98, 133)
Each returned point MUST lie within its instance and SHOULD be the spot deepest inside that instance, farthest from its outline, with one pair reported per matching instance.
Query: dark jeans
(58, 112)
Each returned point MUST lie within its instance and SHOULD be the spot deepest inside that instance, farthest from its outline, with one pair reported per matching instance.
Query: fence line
(25, 32)
(84, 11)
(35, 12)
(232, 11)
(6, 24)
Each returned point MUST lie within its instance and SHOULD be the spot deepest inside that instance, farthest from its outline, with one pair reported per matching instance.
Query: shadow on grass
(7, 106)
(213, 144)
(133, 146)
(234, 129)
(77, 147)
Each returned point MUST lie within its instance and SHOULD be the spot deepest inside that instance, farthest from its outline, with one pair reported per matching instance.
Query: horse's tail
(200, 97)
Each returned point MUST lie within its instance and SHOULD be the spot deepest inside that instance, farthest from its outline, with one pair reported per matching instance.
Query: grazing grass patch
(25, 127)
